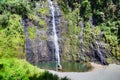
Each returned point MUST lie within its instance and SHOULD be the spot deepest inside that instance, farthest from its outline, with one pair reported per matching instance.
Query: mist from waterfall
(52, 9)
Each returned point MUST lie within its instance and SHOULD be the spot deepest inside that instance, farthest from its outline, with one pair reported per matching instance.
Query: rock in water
(59, 67)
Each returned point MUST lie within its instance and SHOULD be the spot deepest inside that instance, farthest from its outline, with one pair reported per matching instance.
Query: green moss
(71, 47)
(43, 37)
(32, 32)
(32, 16)
(43, 10)
(42, 23)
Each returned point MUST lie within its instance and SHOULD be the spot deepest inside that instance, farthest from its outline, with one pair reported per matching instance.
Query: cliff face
(40, 47)
(80, 38)
(87, 30)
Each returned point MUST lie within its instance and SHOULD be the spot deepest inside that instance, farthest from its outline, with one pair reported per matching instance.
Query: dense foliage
(12, 37)
(11, 31)
(15, 69)
(15, 6)
(12, 41)
(98, 16)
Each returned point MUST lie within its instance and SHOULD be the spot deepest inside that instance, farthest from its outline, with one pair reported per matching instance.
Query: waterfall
(81, 39)
(52, 9)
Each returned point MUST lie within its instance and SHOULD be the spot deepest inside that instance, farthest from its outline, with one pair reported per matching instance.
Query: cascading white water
(52, 9)
(81, 40)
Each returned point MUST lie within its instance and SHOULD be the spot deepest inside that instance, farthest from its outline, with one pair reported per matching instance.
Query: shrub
(16, 69)
(12, 38)
(15, 6)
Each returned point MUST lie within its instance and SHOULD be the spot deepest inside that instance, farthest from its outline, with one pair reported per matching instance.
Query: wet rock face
(51, 50)
(98, 56)
(42, 47)
(28, 43)
(29, 51)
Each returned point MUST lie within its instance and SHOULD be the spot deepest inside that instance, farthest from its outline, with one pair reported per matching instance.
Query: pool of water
(66, 66)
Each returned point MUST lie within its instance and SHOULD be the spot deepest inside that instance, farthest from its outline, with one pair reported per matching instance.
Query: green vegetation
(12, 41)
(104, 16)
(47, 76)
(11, 37)
(15, 6)
(32, 32)
(11, 31)
(98, 16)
(16, 69)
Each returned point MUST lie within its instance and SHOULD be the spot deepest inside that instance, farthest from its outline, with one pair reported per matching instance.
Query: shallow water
(110, 72)
(66, 66)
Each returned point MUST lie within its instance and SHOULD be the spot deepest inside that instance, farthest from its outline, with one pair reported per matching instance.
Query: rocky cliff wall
(78, 40)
